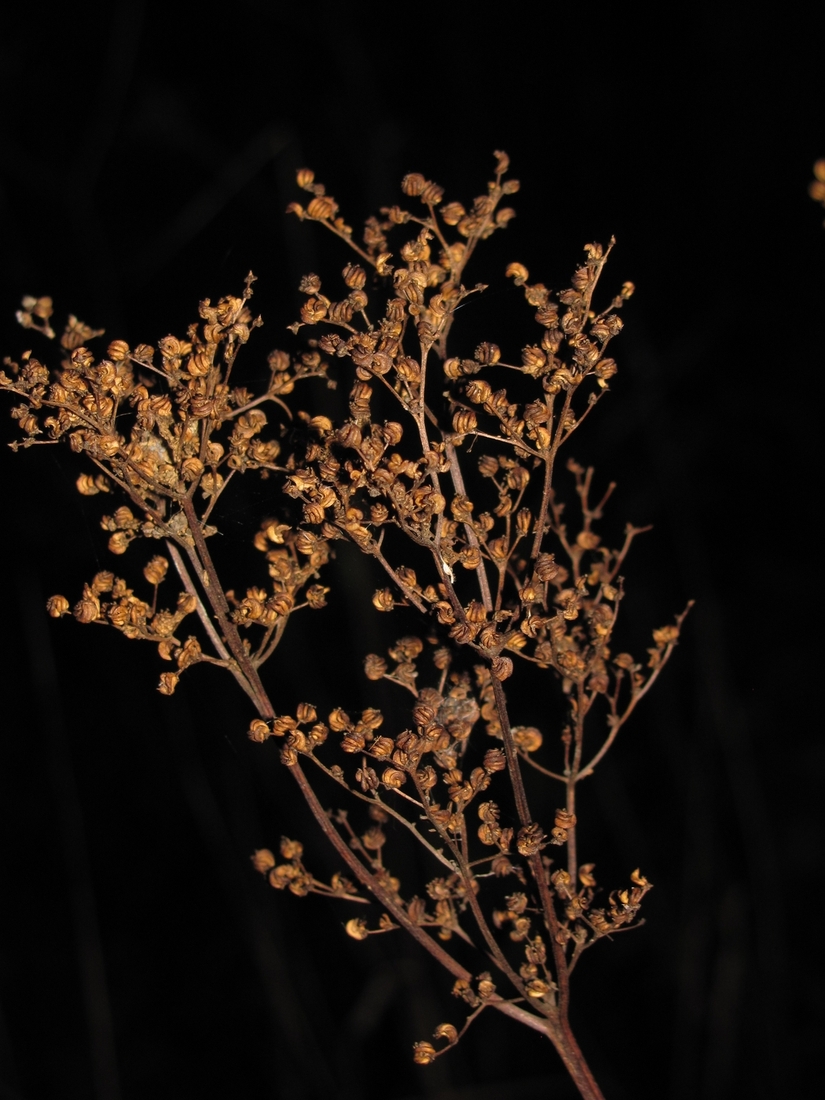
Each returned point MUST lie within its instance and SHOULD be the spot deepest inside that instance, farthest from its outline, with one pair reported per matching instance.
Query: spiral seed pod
(259, 730)
(465, 420)
(263, 860)
(57, 606)
(306, 713)
(424, 1053)
(357, 928)
(289, 756)
(393, 778)
(501, 668)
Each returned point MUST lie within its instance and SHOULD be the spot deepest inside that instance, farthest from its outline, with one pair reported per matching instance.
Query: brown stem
(510, 751)
(572, 856)
(565, 1043)
(472, 538)
(201, 558)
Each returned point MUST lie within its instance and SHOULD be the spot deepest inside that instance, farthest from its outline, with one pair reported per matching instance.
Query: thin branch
(618, 722)
(203, 614)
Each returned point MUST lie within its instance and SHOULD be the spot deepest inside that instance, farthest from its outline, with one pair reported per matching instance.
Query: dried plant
(449, 484)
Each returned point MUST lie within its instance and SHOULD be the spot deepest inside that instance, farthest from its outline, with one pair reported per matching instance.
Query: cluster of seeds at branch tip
(293, 875)
(135, 618)
(167, 427)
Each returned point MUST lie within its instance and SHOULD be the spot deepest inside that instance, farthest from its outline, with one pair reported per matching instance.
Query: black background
(147, 156)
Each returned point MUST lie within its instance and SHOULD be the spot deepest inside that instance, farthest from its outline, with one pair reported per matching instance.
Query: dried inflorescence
(444, 472)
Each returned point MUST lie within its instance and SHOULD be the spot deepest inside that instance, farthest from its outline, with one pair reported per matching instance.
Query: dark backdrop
(148, 153)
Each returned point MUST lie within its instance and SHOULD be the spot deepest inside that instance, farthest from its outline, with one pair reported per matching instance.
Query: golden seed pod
(524, 519)
(381, 747)
(57, 606)
(262, 860)
(86, 485)
(423, 715)
(316, 596)
(117, 351)
(452, 213)
(119, 542)
(587, 540)
(464, 420)
(317, 735)
(279, 877)
(123, 517)
(527, 738)
(382, 600)
(478, 391)
(665, 635)
(306, 713)
(432, 194)
(356, 928)
(489, 834)
(282, 725)
(424, 1054)
(281, 604)
(426, 778)
(322, 207)
(87, 610)
(353, 742)
(486, 988)
(537, 988)
(518, 272)
(168, 683)
(189, 654)
(476, 612)
(452, 368)
(413, 183)
(191, 469)
(314, 513)
(564, 819)
(408, 368)
(530, 840)
(258, 730)
(558, 836)
(393, 778)
(289, 756)
(305, 177)
(542, 437)
(339, 720)
(375, 667)
(186, 603)
(495, 760)
(487, 354)
(156, 569)
(120, 617)
(291, 849)
(374, 838)
(355, 276)
(349, 435)
(446, 1031)
(392, 433)
(586, 877)
(532, 359)
(546, 567)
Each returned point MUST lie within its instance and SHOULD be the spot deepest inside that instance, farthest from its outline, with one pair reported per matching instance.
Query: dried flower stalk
(450, 485)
